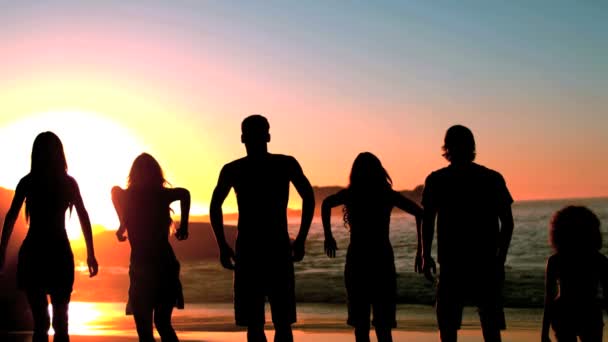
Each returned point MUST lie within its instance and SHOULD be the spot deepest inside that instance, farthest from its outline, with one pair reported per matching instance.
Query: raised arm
(330, 202)
(9, 221)
(183, 196)
(414, 209)
(305, 191)
(550, 293)
(87, 232)
(221, 191)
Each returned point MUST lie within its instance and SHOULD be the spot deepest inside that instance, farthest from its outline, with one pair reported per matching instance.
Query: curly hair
(575, 228)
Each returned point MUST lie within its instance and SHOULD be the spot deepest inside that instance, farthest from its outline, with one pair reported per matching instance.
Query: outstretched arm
(414, 209)
(9, 221)
(183, 196)
(221, 191)
(87, 232)
(304, 188)
(330, 202)
(506, 232)
(550, 293)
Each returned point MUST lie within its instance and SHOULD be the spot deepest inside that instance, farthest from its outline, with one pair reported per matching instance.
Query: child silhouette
(573, 276)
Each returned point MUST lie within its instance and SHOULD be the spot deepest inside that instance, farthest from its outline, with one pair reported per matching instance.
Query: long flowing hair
(48, 166)
(146, 173)
(368, 181)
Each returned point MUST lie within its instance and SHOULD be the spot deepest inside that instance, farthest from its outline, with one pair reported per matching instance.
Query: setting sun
(99, 153)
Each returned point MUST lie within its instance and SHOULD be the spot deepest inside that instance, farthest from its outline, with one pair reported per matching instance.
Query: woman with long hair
(144, 213)
(46, 263)
(369, 273)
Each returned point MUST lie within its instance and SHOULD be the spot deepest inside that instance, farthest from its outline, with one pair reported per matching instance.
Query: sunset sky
(175, 79)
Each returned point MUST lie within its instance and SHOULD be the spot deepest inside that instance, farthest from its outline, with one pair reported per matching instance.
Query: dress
(45, 261)
(153, 269)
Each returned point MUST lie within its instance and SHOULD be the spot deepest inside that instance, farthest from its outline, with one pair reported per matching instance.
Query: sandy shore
(301, 336)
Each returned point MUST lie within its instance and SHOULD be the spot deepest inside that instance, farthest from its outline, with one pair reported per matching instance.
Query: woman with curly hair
(143, 210)
(573, 277)
(369, 273)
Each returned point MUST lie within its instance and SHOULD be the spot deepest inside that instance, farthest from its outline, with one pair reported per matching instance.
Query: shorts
(477, 286)
(371, 290)
(254, 282)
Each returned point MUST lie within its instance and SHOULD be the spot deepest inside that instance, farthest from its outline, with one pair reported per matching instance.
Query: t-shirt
(467, 200)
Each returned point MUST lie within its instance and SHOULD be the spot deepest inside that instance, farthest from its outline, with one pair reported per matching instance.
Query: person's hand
(418, 263)
(93, 266)
(120, 235)
(298, 250)
(182, 233)
(227, 257)
(429, 268)
(330, 246)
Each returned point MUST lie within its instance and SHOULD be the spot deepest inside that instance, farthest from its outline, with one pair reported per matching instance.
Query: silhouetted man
(263, 262)
(472, 206)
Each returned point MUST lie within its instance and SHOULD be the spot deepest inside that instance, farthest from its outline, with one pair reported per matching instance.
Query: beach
(100, 322)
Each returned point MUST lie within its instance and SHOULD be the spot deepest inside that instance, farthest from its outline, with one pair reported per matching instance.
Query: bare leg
(283, 333)
(384, 334)
(490, 330)
(143, 323)
(60, 317)
(39, 306)
(448, 335)
(255, 333)
(362, 334)
(162, 321)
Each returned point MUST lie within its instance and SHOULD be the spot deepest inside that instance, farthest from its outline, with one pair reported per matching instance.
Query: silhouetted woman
(369, 273)
(46, 263)
(574, 274)
(143, 210)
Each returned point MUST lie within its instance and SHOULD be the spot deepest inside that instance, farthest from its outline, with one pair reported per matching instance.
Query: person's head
(255, 132)
(48, 158)
(459, 144)
(368, 181)
(368, 172)
(146, 173)
(575, 229)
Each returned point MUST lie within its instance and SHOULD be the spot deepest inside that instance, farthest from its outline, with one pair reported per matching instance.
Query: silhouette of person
(574, 274)
(369, 273)
(46, 263)
(144, 213)
(263, 263)
(472, 206)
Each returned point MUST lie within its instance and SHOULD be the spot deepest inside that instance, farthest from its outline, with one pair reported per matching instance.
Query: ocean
(319, 279)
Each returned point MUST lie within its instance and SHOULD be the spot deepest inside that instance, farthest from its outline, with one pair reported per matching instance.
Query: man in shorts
(472, 206)
(263, 262)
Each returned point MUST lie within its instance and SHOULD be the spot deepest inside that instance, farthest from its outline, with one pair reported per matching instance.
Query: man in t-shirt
(472, 206)
(263, 262)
